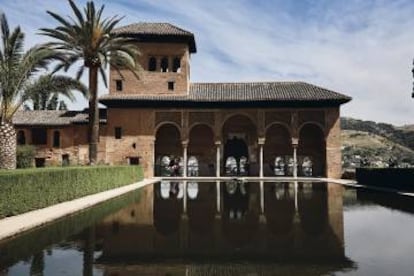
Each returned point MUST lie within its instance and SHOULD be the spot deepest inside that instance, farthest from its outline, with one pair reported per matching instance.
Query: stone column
(261, 142)
(295, 143)
(185, 147)
(218, 144)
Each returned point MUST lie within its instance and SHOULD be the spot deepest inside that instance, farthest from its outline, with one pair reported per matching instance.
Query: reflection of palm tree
(88, 251)
(38, 264)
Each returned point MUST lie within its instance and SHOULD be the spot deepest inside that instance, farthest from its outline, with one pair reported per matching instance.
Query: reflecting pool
(225, 228)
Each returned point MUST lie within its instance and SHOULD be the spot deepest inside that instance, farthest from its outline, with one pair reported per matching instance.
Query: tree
(18, 81)
(50, 88)
(89, 38)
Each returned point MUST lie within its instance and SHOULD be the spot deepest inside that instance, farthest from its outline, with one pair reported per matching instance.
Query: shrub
(25, 156)
(30, 189)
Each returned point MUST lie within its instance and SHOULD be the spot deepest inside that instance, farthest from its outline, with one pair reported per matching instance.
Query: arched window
(21, 138)
(192, 166)
(165, 166)
(231, 166)
(56, 139)
(279, 169)
(244, 166)
(164, 64)
(152, 64)
(307, 166)
(176, 64)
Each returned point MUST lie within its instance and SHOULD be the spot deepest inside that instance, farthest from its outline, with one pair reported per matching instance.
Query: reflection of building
(163, 114)
(290, 225)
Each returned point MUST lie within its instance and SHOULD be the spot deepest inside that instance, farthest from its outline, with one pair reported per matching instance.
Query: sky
(361, 48)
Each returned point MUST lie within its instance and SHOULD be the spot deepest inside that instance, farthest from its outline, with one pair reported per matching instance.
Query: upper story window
(176, 64)
(119, 85)
(171, 85)
(21, 138)
(39, 136)
(152, 64)
(164, 64)
(118, 132)
(56, 139)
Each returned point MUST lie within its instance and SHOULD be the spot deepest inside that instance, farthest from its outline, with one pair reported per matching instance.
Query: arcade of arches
(248, 143)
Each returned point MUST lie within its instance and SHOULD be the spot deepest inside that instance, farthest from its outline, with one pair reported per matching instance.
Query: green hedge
(25, 190)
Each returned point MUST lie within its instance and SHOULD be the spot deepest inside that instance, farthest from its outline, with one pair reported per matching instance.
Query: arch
(239, 134)
(176, 64)
(164, 64)
(278, 144)
(237, 114)
(319, 125)
(288, 128)
(167, 143)
(157, 127)
(201, 145)
(56, 139)
(312, 144)
(152, 64)
(21, 137)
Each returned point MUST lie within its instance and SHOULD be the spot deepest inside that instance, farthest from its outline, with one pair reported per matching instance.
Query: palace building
(209, 129)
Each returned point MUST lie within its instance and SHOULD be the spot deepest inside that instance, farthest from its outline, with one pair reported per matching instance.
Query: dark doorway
(40, 162)
(236, 157)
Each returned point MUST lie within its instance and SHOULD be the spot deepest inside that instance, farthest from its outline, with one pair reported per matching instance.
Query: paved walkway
(12, 226)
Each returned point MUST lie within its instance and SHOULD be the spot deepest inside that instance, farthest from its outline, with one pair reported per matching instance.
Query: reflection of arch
(201, 145)
(167, 213)
(279, 208)
(239, 220)
(278, 143)
(202, 211)
(312, 144)
(167, 143)
(21, 137)
(313, 208)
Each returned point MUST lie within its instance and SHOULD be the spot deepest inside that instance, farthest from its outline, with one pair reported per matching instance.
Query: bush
(25, 156)
(29, 189)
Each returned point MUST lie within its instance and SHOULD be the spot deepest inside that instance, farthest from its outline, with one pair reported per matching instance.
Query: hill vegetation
(368, 143)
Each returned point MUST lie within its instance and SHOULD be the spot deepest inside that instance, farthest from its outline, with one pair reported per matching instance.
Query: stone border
(12, 226)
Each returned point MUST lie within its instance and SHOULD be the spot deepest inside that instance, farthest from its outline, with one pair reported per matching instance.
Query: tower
(164, 58)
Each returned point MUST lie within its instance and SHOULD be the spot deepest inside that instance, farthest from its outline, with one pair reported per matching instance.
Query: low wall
(392, 178)
(29, 189)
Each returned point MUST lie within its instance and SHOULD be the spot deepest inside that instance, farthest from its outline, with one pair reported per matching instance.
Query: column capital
(217, 143)
(295, 142)
(261, 140)
(184, 143)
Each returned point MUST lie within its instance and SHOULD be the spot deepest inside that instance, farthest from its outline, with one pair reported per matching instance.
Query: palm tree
(50, 89)
(89, 38)
(18, 70)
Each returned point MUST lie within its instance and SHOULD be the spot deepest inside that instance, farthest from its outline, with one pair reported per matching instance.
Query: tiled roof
(152, 29)
(153, 32)
(281, 92)
(52, 118)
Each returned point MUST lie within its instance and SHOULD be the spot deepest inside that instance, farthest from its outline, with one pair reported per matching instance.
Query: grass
(29, 189)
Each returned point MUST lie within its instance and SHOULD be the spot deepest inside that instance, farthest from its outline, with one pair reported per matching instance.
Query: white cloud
(363, 49)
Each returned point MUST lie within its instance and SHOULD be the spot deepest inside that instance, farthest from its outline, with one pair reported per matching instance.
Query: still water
(232, 228)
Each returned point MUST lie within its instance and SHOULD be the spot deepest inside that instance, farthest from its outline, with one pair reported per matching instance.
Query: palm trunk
(7, 146)
(93, 116)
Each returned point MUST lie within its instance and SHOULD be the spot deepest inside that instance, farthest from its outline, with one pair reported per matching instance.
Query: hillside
(376, 143)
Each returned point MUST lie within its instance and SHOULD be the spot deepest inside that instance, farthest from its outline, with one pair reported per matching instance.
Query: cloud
(361, 48)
